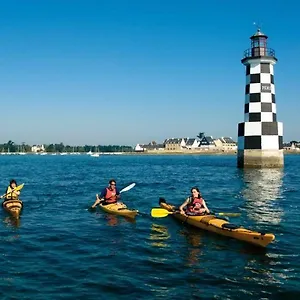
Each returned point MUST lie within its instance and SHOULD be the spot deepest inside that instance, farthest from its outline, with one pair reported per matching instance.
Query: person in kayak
(194, 205)
(109, 195)
(10, 194)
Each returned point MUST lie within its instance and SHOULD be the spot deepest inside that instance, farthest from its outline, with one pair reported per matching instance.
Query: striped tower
(260, 136)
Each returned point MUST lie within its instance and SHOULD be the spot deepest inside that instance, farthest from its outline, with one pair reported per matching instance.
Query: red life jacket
(196, 204)
(110, 196)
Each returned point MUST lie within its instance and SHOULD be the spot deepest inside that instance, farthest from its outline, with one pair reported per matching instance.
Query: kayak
(119, 209)
(13, 207)
(221, 226)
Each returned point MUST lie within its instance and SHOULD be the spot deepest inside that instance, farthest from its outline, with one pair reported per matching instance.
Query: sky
(127, 72)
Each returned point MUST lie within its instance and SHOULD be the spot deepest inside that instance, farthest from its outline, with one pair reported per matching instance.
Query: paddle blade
(127, 188)
(228, 214)
(160, 212)
(19, 187)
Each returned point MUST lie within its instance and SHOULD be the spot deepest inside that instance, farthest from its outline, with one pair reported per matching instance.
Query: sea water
(59, 249)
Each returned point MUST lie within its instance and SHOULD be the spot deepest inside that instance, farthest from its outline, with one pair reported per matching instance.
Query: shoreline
(163, 152)
(150, 152)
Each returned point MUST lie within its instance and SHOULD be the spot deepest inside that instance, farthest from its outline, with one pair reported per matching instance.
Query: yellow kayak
(13, 207)
(119, 209)
(222, 227)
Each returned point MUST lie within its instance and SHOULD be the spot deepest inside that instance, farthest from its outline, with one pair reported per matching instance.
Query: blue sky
(127, 72)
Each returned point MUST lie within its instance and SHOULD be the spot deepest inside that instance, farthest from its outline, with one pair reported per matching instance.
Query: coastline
(154, 152)
(197, 152)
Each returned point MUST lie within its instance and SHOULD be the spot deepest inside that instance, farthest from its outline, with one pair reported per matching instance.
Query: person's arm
(183, 205)
(98, 200)
(103, 194)
(101, 199)
(205, 207)
(118, 196)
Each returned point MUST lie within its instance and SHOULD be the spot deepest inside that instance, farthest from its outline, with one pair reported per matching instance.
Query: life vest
(11, 195)
(110, 196)
(196, 204)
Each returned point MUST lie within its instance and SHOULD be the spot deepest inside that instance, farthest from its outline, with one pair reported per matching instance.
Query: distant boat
(63, 153)
(73, 152)
(95, 154)
(21, 151)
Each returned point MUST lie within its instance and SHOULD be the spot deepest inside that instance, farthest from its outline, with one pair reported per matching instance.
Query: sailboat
(96, 154)
(22, 151)
(64, 153)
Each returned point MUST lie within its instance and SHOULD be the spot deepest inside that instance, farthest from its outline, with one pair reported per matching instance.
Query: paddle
(17, 188)
(125, 189)
(158, 212)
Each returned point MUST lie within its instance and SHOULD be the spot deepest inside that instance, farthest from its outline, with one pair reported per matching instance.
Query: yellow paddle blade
(19, 187)
(160, 212)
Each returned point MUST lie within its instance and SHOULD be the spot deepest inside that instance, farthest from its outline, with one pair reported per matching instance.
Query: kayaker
(194, 205)
(109, 195)
(10, 194)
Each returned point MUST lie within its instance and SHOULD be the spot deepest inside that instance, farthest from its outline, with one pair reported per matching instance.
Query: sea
(59, 249)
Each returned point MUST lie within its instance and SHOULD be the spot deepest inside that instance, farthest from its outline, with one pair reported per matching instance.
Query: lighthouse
(260, 136)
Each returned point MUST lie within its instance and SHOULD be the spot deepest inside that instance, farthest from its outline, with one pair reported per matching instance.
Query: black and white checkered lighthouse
(260, 136)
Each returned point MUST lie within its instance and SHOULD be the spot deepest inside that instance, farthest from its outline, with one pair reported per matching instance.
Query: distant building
(175, 144)
(37, 148)
(148, 147)
(207, 142)
(191, 143)
(138, 148)
(292, 146)
(226, 143)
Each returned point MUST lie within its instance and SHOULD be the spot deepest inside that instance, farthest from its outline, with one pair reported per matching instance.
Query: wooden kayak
(13, 207)
(221, 226)
(119, 209)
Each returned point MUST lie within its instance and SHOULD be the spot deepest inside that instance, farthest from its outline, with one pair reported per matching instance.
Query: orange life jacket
(110, 196)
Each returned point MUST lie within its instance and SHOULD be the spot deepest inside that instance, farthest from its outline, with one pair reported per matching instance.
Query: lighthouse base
(260, 158)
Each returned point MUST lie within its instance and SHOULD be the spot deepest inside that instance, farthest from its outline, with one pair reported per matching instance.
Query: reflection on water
(262, 191)
(12, 222)
(113, 220)
(193, 237)
(159, 235)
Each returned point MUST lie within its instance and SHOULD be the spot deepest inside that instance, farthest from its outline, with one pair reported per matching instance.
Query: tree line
(10, 146)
